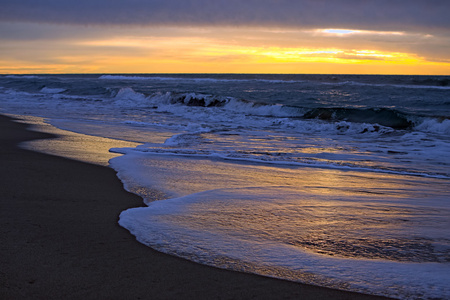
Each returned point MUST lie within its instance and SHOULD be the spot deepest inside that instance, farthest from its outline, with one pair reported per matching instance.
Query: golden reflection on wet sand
(86, 148)
(332, 212)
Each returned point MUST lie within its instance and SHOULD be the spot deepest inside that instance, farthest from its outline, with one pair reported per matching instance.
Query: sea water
(334, 180)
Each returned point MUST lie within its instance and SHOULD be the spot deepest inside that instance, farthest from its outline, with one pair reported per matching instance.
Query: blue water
(334, 180)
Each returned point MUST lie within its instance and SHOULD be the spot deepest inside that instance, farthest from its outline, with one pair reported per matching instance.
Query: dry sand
(60, 239)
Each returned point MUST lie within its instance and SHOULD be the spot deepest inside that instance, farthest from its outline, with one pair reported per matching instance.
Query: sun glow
(224, 50)
(340, 31)
(208, 50)
(348, 32)
(330, 55)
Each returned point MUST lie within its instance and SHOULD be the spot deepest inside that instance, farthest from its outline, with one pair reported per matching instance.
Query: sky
(225, 36)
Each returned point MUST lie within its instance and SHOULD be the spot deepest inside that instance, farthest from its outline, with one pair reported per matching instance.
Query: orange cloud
(217, 50)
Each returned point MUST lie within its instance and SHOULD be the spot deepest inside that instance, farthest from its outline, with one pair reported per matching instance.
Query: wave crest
(382, 116)
(378, 118)
(435, 126)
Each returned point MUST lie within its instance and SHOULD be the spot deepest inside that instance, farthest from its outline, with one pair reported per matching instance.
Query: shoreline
(61, 239)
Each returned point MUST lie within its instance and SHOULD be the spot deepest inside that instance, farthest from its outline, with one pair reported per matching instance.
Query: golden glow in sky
(223, 50)
(225, 36)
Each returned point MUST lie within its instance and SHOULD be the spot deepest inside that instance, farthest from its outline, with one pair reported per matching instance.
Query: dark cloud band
(360, 14)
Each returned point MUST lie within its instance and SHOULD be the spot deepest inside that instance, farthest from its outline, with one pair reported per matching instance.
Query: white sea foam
(328, 160)
(199, 227)
(435, 126)
(141, 124)
(181, 105)
(127, 97)
(123, 77)
(47, 90)
(129, 93)
(187, 138)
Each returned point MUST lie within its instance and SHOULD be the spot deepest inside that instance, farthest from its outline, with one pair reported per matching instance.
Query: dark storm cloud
(360, 14)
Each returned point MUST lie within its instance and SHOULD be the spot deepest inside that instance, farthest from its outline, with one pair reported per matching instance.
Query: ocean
(340, 181)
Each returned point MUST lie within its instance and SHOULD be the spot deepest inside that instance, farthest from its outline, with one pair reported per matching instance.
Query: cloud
(349, 14)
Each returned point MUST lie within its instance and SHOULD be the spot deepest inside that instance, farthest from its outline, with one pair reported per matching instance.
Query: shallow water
(376, 233)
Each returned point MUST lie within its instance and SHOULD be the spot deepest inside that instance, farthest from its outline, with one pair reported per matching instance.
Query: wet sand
(60, 239)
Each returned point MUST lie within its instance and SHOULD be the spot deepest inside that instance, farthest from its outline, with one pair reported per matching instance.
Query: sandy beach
(60, 239)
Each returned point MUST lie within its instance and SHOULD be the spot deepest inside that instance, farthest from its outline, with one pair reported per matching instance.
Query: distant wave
(22, 76)
(440, 83)
(382, 116)
(193, 79)
(124, 77)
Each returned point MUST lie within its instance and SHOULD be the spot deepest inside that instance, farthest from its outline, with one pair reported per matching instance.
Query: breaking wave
(47, 90)
(382, 116)
(378, 117)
